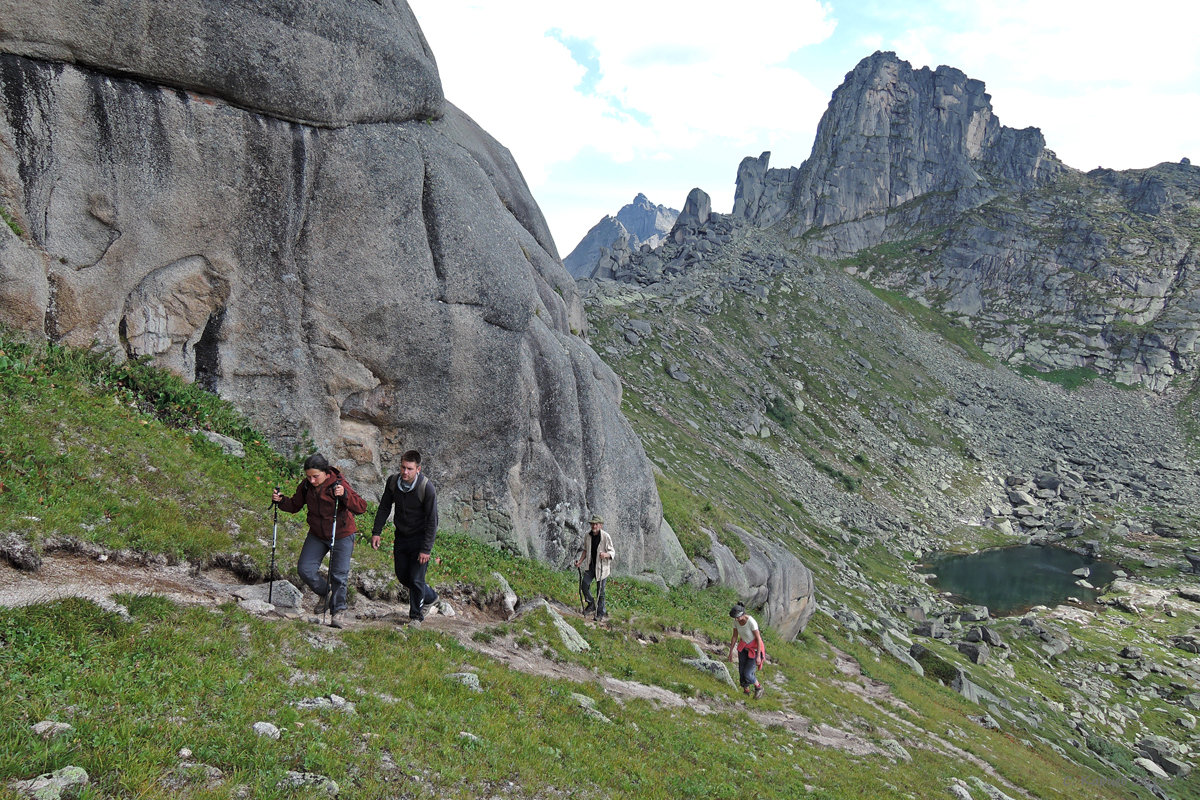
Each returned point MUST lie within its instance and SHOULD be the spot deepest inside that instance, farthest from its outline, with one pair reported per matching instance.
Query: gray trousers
(312, 554)
(585, 584)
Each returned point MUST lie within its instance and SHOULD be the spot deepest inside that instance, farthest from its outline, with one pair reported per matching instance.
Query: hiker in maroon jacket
(323, 489)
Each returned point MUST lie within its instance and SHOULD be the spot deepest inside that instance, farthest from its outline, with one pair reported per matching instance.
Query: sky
(600, 101)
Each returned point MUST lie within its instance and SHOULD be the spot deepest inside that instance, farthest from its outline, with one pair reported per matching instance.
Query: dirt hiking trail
(100, 577)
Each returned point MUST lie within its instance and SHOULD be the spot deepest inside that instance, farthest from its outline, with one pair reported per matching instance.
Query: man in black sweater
(416, 522)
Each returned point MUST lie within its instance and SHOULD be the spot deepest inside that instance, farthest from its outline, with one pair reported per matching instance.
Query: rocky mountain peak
(645, 221)
(638, 224)
(893, 134)
(1052, 269)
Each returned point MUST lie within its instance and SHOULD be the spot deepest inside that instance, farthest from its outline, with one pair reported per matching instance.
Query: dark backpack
(393, 484)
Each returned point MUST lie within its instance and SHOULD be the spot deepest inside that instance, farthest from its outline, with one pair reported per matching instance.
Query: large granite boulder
(763, 195)
(315, 61)
(378, 280)
(696, 211)
(772, 578)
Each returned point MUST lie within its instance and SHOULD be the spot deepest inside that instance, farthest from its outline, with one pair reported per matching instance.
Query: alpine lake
(1011, 580)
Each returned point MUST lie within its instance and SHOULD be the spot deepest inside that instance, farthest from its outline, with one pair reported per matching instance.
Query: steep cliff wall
(275, 200)
(1095, 271)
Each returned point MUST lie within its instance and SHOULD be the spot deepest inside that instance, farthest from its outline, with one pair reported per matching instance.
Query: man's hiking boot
(758, 691)
(337, 620)
(322, 604)
(591, 608)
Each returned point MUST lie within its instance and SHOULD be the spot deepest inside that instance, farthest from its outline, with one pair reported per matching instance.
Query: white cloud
(671, 80)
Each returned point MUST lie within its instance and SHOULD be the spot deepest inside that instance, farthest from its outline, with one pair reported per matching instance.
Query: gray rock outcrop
(571, 638)
(278, 204)
(65, 782)
(467, 679)
(507, 596)
(279, 593)
(696, 211)
(308, 61)
(762, 195)
(308, 780)
(266, 729)
(713, 667)
(605, 236)
(772, 578)
(48, 729)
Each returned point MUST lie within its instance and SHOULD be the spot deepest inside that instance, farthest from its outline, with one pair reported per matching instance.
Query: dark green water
(1011, 579)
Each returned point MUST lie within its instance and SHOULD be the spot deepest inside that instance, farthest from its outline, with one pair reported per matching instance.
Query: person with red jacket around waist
(323, 490)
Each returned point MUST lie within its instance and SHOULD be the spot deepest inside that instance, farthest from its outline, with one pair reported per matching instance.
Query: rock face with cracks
(276, 201)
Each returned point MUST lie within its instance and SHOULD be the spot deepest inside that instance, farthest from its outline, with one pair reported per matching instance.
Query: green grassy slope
(101, 453)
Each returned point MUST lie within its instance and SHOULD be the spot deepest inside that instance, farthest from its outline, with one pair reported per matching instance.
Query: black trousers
(411, 574)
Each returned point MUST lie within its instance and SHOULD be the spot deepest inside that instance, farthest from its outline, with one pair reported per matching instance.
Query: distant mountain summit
(636, 224)
(896, 144)
(646, 222)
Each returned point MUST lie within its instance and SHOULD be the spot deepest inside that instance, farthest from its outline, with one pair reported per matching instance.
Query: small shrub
(936, 667)
(757, 459)
(847, 482)
(782, 412)
(1111, 751)
(11, 222)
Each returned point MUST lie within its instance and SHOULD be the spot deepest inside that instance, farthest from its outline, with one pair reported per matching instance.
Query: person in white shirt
(596, 549)
(748, 643)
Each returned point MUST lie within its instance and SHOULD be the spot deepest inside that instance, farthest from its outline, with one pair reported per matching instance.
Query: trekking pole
(332, 543)
(274, 539)
(579, 585)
